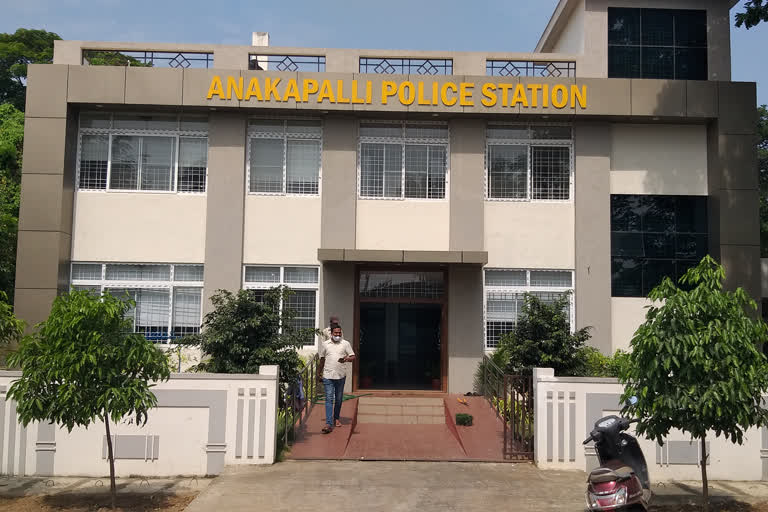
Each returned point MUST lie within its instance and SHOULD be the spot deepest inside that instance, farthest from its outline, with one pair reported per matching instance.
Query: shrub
(464, 419)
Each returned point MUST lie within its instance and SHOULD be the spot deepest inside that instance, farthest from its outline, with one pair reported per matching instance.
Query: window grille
(390, 65)
(284, 156)
(403, 160)
(163, 310)
(303, 282)
(529, 162)
(414, 285)
(142, 153)
(505, 291)
(314, 63)
(547, 69)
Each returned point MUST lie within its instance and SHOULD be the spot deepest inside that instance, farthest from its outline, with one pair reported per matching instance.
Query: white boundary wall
(566, 409)
(202, 423)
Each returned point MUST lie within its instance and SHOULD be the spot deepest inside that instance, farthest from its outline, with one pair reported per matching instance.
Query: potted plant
(366, 375)
(433, 376)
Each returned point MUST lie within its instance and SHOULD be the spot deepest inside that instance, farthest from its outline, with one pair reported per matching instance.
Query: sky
(450, 25)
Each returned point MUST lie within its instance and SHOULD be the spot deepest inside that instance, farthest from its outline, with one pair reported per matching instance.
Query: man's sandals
(327, 429)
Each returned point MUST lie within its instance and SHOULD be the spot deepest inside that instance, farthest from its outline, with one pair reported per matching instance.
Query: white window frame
(112, 132)
(169, 285)
(403, 141)
(315, 287)
(284, 136)
(530, 144)
(527, 288)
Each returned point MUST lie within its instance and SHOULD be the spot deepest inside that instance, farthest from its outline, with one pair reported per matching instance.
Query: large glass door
(400, 330)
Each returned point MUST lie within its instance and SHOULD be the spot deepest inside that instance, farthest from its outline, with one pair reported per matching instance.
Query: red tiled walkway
(481, 442)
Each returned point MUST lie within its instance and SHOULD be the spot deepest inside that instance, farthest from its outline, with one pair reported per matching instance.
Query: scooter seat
(601, 475)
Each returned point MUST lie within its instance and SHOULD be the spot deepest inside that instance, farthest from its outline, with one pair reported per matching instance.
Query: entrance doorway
(400, 335)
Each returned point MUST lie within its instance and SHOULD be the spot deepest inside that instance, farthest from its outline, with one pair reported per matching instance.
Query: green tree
(695, 363)
(17, 51)
(11, 328)
(762, 165)
(85, 364)
(247, 329)
(755, 11)
(542, 337)
(112, 58)
(11, 140)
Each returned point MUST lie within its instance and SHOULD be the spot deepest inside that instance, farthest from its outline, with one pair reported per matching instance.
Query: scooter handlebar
(587, 440)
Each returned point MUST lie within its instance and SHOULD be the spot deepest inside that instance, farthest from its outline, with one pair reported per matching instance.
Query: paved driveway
(321, 486)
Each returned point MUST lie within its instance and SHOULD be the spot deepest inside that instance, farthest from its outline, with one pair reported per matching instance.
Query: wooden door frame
(443, 320)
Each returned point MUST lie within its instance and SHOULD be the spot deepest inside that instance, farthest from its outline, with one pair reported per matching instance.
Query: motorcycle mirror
(632, 400)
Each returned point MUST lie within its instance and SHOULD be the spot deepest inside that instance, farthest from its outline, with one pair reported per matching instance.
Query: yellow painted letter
(534, 88)
(292, 91)
(578, 95)
(326, 92)
(505, 93)
(270, 88)
(340, 92)
(448, 102)
(309, 86)
(355, 98)
(465, 94)
(559, 96)
(411, 95)
(216, 88)
(387, 89)
(368, 92)
(519, 96)
(237, 86)
(489, 97)
(254, 89)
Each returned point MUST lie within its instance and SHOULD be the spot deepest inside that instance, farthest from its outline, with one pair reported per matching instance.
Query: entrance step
(401, 411)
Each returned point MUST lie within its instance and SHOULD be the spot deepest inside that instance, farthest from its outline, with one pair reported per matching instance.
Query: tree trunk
(112, 488)
(704, 484)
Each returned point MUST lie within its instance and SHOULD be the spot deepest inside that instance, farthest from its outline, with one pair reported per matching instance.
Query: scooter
(621, 482)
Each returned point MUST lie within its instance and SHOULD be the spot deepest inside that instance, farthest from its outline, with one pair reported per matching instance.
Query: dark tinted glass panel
(691, 64)
(654, 272)
(627, 244)
(623, 26)
(626, 212)
(690, 28)
(659, 214)
(691, 214)
(623, 62)
(653, 237)
(657, 27)
(658, 62)
(691, 246)
(626, 278)
(659, 246)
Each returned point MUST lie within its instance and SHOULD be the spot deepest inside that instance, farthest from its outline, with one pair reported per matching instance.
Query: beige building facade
(416, 195)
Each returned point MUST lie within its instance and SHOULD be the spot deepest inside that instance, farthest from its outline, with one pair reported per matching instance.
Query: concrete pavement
(323, 486)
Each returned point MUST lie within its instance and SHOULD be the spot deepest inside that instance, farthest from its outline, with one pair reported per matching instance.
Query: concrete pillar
(592, 203)
(225, 209)
(465, 326)
(339, 186)
(467, 195)
(337, 290)
(47, 191)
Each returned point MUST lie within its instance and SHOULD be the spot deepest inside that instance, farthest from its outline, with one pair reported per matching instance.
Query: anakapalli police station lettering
(408, 92)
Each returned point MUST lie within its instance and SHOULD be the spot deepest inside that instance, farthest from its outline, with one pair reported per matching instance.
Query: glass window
(193, 164)
(139, 153)
(94, 158)
(415, 285)
(653, 237)
(657, 43)
(529, 163)
(505, 297)
(284, 156)
(403, 160)
(163, 310)
(303, 283)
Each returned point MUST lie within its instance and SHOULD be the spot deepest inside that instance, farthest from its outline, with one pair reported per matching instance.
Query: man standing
(333, 353)
(326, 333)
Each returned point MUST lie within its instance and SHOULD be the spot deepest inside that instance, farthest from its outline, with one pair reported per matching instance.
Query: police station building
(417, 195)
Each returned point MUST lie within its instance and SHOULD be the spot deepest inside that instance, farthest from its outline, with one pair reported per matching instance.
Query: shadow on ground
(81, 502)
